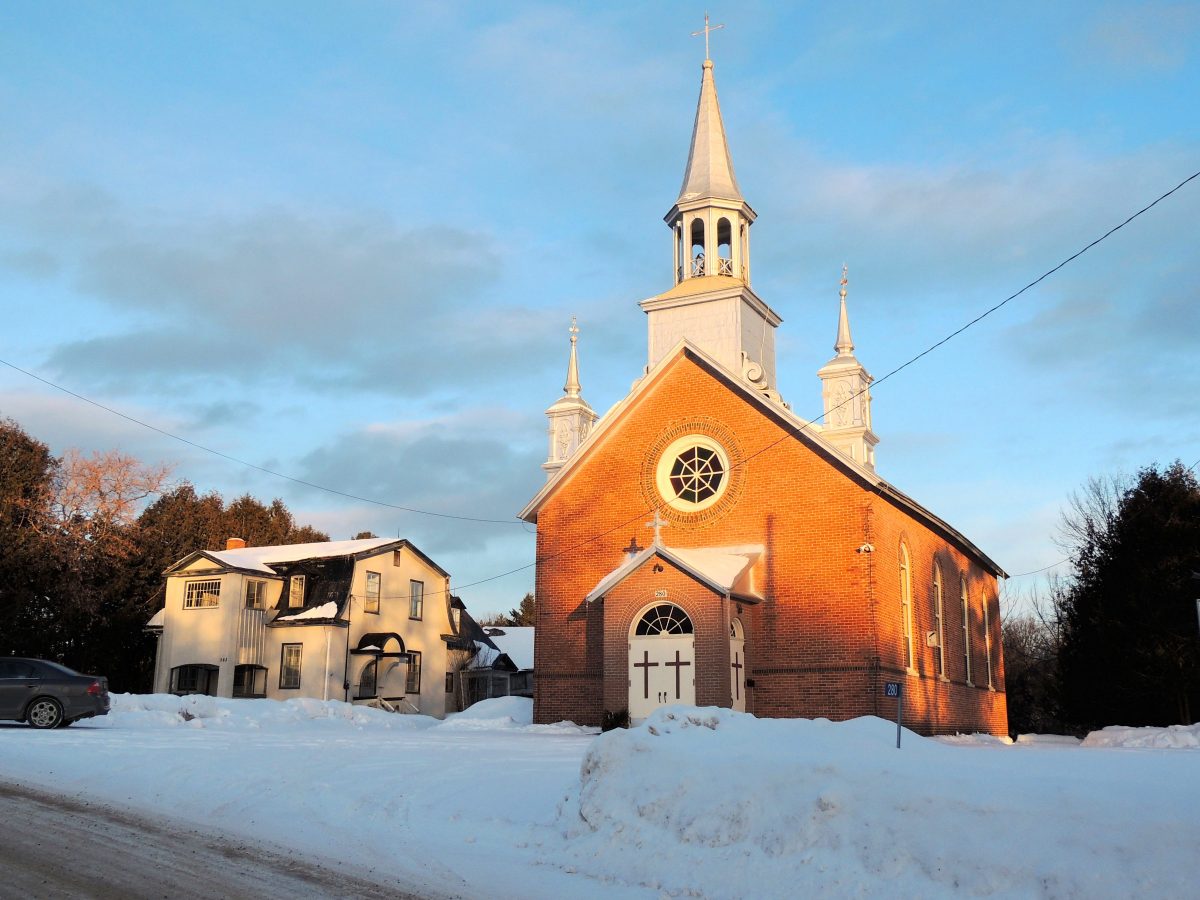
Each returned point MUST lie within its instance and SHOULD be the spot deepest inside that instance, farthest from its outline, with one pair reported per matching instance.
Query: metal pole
(899, 712)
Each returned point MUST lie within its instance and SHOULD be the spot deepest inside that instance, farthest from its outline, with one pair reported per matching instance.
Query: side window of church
(413, 685)
(371, 604)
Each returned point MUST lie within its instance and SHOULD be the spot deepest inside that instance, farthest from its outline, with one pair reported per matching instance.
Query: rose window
(696, 474)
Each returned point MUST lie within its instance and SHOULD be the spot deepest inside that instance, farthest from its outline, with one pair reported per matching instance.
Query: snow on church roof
(725, 569)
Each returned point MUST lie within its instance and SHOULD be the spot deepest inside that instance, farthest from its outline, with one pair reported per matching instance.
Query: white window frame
(906, 610)
(287, 667)
(987, 641)
(966, 626)
(416, 599)
(296, 597)
(194, 594)
(259, 591)
(939, 615)
(373, 592)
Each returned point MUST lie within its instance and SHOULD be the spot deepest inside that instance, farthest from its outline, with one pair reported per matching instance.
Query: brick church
(702, 544)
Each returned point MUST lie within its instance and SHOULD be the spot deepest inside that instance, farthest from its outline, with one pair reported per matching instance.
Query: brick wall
(830, 630)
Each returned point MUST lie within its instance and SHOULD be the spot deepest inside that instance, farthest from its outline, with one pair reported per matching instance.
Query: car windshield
(57, 667)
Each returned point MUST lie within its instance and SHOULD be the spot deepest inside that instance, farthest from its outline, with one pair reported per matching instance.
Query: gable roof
(807, 433)
(722, 570)
(260, 559)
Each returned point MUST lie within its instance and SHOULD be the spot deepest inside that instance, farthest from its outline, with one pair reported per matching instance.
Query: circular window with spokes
(693, 473)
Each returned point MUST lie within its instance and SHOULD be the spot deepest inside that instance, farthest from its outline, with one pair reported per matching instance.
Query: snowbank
(716, 803)
(506, 713)
(199, 711)
(1173, 737)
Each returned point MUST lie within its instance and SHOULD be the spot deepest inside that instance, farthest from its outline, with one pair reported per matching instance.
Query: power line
(250, 465)
(788, 431)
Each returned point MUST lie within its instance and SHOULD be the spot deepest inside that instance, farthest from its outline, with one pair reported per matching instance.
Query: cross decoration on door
(678, 664)
(645, 665)
(737, 667)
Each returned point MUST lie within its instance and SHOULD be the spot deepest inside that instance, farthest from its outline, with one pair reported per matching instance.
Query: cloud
(1153, 36)
(478, 463)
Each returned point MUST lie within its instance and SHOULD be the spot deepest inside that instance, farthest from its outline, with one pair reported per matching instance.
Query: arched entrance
(737, 665)
(662, 660)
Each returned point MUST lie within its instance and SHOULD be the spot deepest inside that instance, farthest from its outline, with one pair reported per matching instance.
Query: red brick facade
(829, 630)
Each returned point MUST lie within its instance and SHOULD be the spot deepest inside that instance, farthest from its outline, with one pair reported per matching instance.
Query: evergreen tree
(1130, 651)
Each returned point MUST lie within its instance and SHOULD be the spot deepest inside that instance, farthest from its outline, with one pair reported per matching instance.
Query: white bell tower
(570, 417)
(846, 391)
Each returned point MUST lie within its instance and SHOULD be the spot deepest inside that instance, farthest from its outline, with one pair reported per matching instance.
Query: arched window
(966, 627)
(666, 618)
(196, 678)
(696, 254)
(724, 247)
(939, 619)
(987, 640)
(906, 616)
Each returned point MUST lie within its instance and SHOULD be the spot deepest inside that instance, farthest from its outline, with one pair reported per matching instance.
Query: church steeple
(570, 417)
(846, 393)
(712, 304)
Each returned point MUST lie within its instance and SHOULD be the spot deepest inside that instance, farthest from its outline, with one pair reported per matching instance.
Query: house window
(296, 592)
(395, 557)
(413, 684)
(456, 619)
(416, 599)
(201, 594)
(194, 679)
(939, 617)
(966, 627)
(371, 604)
(255, 594)
(289, 666)
(249, 681)
(906, 615)
(987, 641)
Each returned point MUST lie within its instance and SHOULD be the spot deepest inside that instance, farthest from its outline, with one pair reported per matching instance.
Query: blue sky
(344, 241)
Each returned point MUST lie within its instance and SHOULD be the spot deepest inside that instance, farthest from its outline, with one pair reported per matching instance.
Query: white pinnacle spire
(844, 346)
(572, 388)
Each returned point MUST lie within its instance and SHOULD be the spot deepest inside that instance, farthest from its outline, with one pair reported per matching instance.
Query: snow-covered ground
(703, 802)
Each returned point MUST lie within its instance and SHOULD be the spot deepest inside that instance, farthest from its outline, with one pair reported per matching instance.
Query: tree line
(1116, 641)
(84, 540)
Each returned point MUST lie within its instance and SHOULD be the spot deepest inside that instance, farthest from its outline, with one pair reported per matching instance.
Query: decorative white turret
(847, 395)
(712, 304)
(571, 418)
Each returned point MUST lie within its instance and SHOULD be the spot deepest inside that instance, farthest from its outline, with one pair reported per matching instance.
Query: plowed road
(53, 847)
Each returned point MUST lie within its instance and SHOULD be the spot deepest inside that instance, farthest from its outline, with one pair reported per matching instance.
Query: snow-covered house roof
(262, 559)
(515, 642)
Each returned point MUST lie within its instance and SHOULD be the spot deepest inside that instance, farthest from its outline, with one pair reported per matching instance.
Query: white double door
(662, 671)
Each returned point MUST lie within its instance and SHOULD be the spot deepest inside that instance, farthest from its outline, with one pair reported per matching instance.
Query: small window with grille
(666, 618)
(202, 594)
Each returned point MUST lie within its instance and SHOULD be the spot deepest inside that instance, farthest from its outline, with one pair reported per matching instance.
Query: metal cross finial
(707, 29)
(657, 524)
(574, 330)
(845, 280)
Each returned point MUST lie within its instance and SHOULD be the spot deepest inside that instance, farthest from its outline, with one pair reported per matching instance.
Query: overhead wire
(789, 431)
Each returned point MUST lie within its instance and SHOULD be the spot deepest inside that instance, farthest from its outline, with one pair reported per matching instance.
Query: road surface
(54, 847)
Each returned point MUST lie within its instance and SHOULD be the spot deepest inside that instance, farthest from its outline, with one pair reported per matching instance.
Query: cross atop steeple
(657, 524)
(707, 29)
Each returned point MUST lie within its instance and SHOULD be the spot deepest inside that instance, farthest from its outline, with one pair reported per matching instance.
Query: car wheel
(44, 712)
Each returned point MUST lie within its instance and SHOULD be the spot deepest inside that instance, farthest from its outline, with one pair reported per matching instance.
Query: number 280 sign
(891, 689)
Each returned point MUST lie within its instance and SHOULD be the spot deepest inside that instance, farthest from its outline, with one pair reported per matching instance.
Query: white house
(363, 621)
